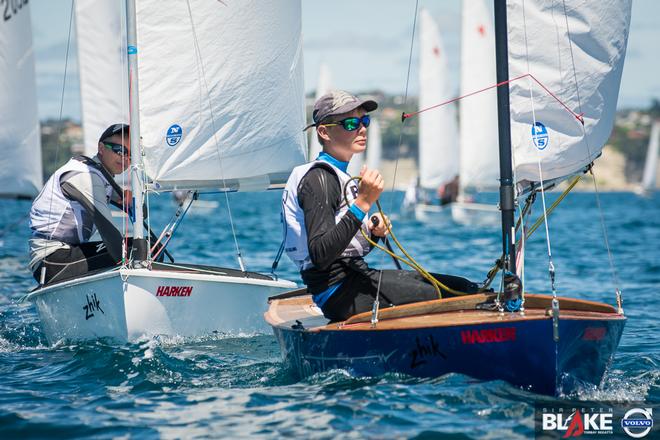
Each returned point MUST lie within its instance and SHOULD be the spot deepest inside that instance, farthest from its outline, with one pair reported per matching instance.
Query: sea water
(237, 386)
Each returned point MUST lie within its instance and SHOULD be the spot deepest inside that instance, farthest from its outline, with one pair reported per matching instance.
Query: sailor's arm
(88, 189)
(319, 195)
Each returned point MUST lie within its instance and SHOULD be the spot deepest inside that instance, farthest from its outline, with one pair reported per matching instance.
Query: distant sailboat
(479, 169)
(323, 86)
(20, 142)
(199, 121)
(438, 160)
(649, 177)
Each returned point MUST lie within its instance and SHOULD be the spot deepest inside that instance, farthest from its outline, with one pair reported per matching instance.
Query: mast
(504, 125)
(139, 243)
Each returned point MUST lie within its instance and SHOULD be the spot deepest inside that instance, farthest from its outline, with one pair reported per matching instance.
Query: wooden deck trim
(470, 302)
(443, 313)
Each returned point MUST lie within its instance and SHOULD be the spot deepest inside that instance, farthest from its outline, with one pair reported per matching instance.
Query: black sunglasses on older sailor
(116, 148)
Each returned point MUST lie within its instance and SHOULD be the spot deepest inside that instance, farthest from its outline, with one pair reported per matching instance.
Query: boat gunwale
(155, 273)
(390, 323)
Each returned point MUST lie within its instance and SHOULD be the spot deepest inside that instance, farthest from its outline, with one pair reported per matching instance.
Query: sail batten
(20, 143)
(223, 100)
(577, 53)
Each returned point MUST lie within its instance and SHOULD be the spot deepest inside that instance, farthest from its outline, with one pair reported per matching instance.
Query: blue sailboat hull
(521, 352)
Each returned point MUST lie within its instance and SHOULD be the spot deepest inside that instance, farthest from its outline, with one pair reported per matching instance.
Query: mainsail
(220, 92)
(101, 37)
(438, 137)
(20, 144)
(101, 42)
(574, 51)
(479, 153)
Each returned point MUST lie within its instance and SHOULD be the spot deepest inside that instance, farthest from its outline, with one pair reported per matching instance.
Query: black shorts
(64, 264)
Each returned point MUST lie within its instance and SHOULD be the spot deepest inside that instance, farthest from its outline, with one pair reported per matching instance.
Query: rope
(498, 264)
(409, 260)
(578, 116)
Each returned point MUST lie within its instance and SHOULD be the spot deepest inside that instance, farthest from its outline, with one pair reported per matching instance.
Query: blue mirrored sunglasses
(352, 124)
(116, 148)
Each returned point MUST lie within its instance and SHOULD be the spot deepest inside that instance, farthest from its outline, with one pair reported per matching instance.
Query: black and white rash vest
(295, 238)
(55, 217)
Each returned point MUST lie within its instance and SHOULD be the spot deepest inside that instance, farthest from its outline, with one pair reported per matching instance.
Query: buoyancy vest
(295, 233)
(55, 217)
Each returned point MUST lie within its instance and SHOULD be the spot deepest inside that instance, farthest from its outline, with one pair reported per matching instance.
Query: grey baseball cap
(113, 130)
(338, 102)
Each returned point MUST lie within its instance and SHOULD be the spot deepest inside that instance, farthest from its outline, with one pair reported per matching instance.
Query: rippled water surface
(236, 385)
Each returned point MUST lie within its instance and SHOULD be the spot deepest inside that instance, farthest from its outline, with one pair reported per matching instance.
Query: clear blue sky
(365, 44)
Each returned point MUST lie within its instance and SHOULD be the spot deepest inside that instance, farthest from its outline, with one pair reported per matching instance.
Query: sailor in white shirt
(74, 203)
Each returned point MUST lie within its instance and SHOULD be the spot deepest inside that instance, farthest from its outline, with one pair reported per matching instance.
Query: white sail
(371, 156)
(20, 143)
(355, 165)
(101, 37)
(438, 137)
(577, 53)
(651, 165)
(374, 145)
(323, 86)
(479, 152)
(220, 92)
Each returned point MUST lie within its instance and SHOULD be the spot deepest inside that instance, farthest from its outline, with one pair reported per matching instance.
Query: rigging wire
(613, 270)
(215, 139)
(42, 275)
(376, 305)
(551, 266)
(125, 110)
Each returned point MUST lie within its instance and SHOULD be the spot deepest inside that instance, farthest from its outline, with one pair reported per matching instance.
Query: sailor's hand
(370, 188)
(379, 225)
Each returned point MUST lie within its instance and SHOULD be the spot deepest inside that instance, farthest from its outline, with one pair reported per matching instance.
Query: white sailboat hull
(464, 213)
(126, 304)
(426, 213)
(475, 214)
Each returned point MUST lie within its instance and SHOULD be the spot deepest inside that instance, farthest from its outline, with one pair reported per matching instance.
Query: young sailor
(322, 234)
(74, 203)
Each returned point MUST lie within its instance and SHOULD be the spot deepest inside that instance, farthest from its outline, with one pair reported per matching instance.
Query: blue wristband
(357, 211)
